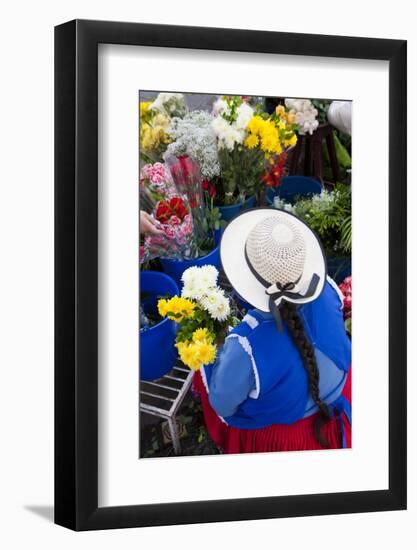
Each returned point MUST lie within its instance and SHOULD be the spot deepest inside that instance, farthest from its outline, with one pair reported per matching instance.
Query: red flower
(268, 180)
(346, 289)
(212, 190)
(274, 173)
(175, 207)
(163, 212)
(178, 207)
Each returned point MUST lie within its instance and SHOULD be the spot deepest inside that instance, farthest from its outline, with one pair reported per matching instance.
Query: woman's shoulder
(331, 297)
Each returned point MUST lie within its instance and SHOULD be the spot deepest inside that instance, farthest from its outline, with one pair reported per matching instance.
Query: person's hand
(148, 225)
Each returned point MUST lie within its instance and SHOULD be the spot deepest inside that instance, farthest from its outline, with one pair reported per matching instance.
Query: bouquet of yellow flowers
(153, 136)
(271, 134)
(203, 314)
(249, 142)
(155, 119)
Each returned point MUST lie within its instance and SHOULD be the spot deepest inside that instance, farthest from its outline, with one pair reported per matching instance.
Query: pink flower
(174, 220)
(155, 173)
(169, 231)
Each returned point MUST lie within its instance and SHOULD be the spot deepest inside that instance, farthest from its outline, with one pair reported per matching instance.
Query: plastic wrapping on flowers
(170, 208)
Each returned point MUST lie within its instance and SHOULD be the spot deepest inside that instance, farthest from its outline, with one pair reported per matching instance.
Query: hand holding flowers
(171, 213)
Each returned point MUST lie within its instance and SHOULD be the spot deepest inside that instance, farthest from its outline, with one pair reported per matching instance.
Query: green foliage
(343, 157)
(241, 171)
(202, 318)
(234, 102)
(346, 234)
(211, 222)
(322, 106)
(327, 215)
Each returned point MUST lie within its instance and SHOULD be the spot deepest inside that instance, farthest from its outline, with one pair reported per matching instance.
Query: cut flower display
(203, 314)
(170, 208)
(250, 143)
(304, 113)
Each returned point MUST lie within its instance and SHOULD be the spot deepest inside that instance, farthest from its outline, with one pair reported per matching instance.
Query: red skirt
(278, 437)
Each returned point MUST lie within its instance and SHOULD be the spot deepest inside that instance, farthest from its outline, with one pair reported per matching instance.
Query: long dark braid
(295, 327)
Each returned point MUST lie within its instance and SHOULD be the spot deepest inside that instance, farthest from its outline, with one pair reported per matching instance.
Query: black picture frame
(76, 271)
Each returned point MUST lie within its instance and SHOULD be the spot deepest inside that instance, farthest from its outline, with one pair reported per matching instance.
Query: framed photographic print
(230, 247)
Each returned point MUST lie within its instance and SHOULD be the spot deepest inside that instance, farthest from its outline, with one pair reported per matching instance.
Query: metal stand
(163, 398)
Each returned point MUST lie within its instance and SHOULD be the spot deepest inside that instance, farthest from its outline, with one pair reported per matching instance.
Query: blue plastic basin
(230, 212)
(175, 268)
(157, 351)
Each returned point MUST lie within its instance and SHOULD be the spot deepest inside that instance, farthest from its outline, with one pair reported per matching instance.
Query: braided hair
(295, 327)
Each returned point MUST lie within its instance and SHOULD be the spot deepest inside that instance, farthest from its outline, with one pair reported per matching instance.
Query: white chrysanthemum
(220, 126)
(219, 106)
(244, 114)
(191, 283)
(216, 303)
(198, 281)
(208, 276)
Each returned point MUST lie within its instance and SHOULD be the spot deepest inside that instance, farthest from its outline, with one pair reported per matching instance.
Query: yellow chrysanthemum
(207, 353)
(251, 141)
(292, 141)
(196, 354)
(151, 137)
(144, 106)
(189, 355)
(177, 308)
(181, 346)
(270, 141)
(202, 335)
(255, 124)
(162, 307)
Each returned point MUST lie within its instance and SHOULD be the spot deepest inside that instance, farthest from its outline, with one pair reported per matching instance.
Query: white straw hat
(270, 255)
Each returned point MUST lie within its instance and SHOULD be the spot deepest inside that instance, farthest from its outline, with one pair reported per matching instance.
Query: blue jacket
(259, 378)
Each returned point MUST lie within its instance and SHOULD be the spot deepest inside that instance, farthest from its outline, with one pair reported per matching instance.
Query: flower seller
(282, 379)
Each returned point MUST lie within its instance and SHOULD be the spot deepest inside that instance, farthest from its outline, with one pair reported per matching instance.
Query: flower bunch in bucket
(272, 135)
(304, 113)
(203, 314)
(170, 208)
(240, 166)
(251, 143)
(186, 175)
(154, 121)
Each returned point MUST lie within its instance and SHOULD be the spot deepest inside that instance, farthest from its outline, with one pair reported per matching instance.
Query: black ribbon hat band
(278, 290)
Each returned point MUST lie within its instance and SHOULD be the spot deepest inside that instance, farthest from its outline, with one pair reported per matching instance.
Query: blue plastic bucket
(230, 212)
(292, 187)
(175, 268)
(156, 346)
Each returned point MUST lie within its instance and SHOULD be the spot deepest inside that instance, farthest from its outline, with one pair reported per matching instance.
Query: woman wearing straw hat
(282, 380)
